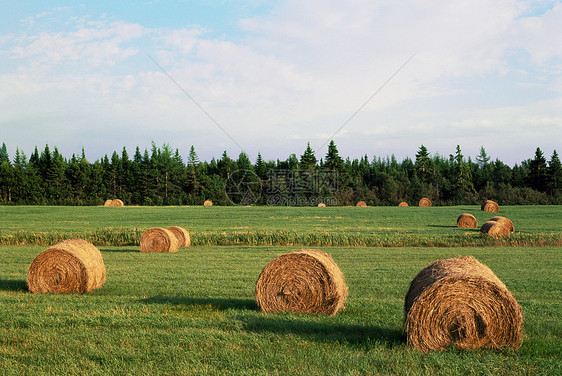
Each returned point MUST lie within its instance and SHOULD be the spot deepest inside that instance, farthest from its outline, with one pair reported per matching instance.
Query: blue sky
(270, 76)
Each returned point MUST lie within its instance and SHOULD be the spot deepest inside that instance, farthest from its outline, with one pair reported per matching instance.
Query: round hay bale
(117, 202)
(321, 205)
(466, 220)
(158, 239)
(425, 202)
(494, 229)
(461, 302)
(504, 221)
(361, 204)
(182, 236)
(107, 203)
(490, 206)
(403, 203)
(208, 203)
(71, 266)
(306, 281)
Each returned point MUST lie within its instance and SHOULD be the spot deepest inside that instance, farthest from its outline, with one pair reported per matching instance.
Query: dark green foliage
(159, 176)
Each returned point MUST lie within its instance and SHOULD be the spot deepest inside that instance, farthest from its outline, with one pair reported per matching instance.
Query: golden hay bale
(361, 204)
(425, 202)
(321, 205)
(208, 203)
(306, 281)
(71, 266)
(158, 239)
(504, 221)
(466, 220)
(117, 202)
(461, 302)
(182, 236)
(403, 203)
(494, 229)
(107, 203)
(490, 206)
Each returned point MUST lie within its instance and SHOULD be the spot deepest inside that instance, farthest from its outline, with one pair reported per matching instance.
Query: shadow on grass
(357, 335)
(318, 328)
(443, 226)
(219, 303)
(13, 285)
(125, 249)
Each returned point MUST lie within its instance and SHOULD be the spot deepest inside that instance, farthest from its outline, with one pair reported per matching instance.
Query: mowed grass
(307, 226)
(193, 313)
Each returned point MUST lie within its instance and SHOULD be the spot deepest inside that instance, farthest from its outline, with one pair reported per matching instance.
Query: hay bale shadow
(13, 285)
(356, 335)
(219, 303)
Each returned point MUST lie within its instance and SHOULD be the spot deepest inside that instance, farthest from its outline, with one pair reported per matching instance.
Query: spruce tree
(308, 159)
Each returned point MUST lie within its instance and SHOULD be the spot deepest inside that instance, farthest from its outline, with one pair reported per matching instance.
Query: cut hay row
(131, 237)
(460, 302)
(307, 281)
(71, 266)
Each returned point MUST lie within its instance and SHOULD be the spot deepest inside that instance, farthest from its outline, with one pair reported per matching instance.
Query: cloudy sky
(379, 77)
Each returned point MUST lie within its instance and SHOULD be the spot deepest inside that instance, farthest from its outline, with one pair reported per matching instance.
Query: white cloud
(296, 75)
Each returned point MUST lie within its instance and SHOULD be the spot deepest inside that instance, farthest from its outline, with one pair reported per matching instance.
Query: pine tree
(4, 157)
(333, 160)
(423, 165)
(462, 178)
(308, 159)
(555, 174)
(538, 172)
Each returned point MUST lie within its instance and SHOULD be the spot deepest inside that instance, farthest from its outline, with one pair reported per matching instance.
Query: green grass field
(193, 312)
(308, 226)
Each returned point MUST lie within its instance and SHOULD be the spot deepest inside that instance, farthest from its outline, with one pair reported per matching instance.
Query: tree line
(160, 176)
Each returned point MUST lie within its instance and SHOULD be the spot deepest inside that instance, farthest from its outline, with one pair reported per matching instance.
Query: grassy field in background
(193, 313)
(307, 226)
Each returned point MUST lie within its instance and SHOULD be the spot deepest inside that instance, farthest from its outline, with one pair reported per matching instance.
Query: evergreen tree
(308, 159)
(261, 167)
(4, 157)
(555, 174)
(538, 172)
(462, 178)
(333, 160)
(423, 166)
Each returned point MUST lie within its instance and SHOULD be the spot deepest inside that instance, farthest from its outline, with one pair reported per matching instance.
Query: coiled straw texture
(71, 266)
(460, 302)
(158, 239)
(307, 281)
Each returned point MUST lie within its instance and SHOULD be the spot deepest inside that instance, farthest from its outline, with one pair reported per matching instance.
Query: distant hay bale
(504, 221)
(107, 203)
(361, 204)
(321, 205)
(425, 202)
(117, 202)
(460, 302)
(158, 239)
(208, 203)
(182, 236)
(403, 203)
(466, 220)
(306, 281)
(70, 266)
(490, 206)
(494, 229)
